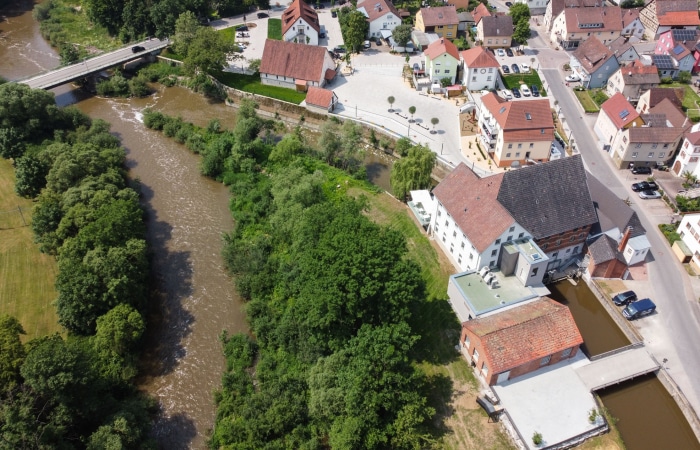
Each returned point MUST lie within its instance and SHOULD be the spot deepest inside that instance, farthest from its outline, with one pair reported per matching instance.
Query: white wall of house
(302, 32)
(640, 154)
(537, 7)
(687, 159)
(689, 230)
(388, 21)
(636, 250)
(634, 28)
(518, 151)
(604, 128)
(478, 79)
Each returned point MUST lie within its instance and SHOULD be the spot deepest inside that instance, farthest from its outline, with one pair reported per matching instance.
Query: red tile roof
(656, 95)
(478, 57)
(441, 46)
(377, 8)
(577, 18)
(615, 108)
(673, 113)
(680, 18)
(471, 201)
(522, 120)
(320, 97)
(480, 12)
(298, 9)
(629, 15)
(440, 15)
(693, 138)
(592, 54)
(637, 73)
(289, 59)
(526, 333)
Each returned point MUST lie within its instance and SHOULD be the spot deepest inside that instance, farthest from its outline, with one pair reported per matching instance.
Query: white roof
(639, 243)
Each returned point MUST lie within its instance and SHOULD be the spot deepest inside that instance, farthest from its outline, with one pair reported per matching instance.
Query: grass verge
(691, 100)
(252, 84)
(26, 275)
(598, 96)
(229, 34)
(586, 101)
(274, 29)
(69, 24)
(515, 80)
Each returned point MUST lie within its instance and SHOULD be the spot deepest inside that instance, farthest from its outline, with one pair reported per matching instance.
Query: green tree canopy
(354, 27)
(402, 34)
(519, 12)
(186, 28)
(207, 52)
(11, 353)
(413, 171)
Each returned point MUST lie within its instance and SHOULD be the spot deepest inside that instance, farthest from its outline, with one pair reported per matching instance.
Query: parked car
(334, 13)
(137, 49)
(516, 92)
(525, 67)
(416, 67)
(500, 52)
(638, 309)
(262, 15)
(572, 78)
(525, 90)
(515, 68)
(645, 186)
(242, 28)
(339, 49)
(646, 195)
(535, 91)
(505, 69)
(378, 42)
(509, 4)
(624, 298)
(367, 44)
(508, 95)
(509, 52)
(641, 170)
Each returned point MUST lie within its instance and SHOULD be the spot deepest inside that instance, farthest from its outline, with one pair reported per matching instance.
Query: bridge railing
(617, 350)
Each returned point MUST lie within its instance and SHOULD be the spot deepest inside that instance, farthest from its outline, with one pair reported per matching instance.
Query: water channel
(187, 214)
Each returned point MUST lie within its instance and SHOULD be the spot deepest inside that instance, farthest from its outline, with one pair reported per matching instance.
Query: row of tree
(330, 298)
(77, 391)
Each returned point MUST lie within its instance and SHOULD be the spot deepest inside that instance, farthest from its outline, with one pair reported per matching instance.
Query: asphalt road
(672, 333)
(81, 69)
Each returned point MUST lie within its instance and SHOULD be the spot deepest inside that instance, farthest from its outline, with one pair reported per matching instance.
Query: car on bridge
(138, 49)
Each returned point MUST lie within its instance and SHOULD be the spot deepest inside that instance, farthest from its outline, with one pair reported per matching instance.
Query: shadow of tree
(439, 329)
(175, 432)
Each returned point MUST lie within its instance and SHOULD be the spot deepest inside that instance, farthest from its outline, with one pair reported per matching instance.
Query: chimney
(625, 238)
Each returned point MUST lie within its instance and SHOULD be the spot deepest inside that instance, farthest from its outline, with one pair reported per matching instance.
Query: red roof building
(520, 340)
(300, 23)
(295, 66)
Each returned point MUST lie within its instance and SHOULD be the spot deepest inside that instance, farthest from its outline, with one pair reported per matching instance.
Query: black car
(641, 170)
(509, 52)
(334, 13)
(137, 49)
(645, 186)
(515, 68)
(262, 16)
(339, 49)
(624, 298)
(509, 4)
(242, 28)
(505, 69)
(535, 91)
(516, 93)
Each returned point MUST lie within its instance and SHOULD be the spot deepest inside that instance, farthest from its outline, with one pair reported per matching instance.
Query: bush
(154, 120)
(537, 438)
(669, 231)
(666, 80)
(684, 77)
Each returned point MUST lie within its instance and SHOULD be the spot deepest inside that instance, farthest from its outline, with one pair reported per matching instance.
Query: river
(187, 214)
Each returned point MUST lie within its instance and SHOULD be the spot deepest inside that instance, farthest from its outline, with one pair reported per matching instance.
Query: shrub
(684, 77)
(669, 231)
(666, 80)
(537, 438)
(154, 120)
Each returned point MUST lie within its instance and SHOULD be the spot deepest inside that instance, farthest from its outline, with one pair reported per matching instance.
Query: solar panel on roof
(678, 49)
(683, 35)
(624, 113)
(663, 61)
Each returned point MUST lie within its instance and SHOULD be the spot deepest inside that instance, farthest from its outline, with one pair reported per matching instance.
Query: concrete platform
(553, 402)
(616, 368)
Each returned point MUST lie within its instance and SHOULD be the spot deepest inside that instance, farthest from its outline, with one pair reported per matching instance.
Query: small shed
(320, 100)
(681, 251)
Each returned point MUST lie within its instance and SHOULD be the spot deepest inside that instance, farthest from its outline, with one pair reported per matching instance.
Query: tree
(115, 342)
(391, 100)
(354, 27)
(254, 65)
(522, 31)
(434, 121)
(207, 52)
(519, 12)
(186, 27)
(402, 34)
(30, 172)
(413, 171)
(12, 353)
(412, 111)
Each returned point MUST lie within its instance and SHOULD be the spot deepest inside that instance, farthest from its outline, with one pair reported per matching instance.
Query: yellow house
(441, 20)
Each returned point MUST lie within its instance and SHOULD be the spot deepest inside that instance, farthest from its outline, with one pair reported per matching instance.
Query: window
(542, 131)
(572, 238)
(462, 244)
(454, 234)
(436, 227)
(466, 341)
(527, 154)
(474, 78)
(575, 249)
(534, 271)
(485, 370)
(498, 241)
(490, 69)
(510, 145)
(494, 252)
(532, 144)
(651, 155)
(662, 154)
(492, 264)
(521, 235)
(544, 246)
(452, 248)
(566, 353)
(510, 238)
(666, 145)
(489, 41)
(545, 360)
(654, 145)
(447, 222)
(520, 145)
(471, 256)
(475, 355)
(507, 155)
(488, 78)
(558, 241)
(459, 260)
(437, 70)
(517, 154)
(449, 34)
(639, 145)
(635, 154)
(439, 213)
(624, 139)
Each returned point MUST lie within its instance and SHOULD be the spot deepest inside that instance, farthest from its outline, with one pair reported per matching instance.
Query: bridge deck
(82, 69)
(616, 368)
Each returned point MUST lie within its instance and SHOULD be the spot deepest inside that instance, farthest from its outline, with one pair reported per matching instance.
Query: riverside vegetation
(75, 390)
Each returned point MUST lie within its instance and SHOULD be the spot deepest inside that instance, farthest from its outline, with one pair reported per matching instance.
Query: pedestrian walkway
(616, 367)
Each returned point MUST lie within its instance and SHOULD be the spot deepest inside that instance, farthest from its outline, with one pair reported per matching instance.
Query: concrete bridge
(83, 69)
(617, 366)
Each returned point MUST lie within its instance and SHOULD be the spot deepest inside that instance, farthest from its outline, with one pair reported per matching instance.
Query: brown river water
(187, 214)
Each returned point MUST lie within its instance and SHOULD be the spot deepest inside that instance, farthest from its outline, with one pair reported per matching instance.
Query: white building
(480, 69)
(689, 231)
(300, 24)
(382, 16)
(687, 159)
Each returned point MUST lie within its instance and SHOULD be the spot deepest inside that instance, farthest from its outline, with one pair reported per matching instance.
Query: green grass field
(26, 275)
(515, 80)
(252, 84)
(274, 29)
(72, 25)
(229, 34)
(691, 100)
(586, 101)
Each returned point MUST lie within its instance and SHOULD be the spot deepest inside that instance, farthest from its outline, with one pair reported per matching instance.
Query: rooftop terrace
(528, 248)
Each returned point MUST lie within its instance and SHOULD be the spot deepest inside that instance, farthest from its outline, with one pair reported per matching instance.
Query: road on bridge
(84, 68)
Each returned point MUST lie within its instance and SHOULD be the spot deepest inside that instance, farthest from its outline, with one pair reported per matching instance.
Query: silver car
(649, 194)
